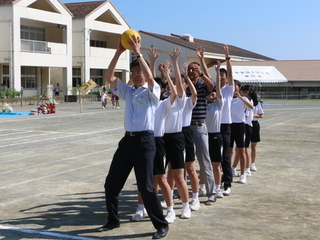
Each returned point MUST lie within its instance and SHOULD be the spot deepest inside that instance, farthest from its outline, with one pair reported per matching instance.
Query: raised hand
(200, 52)
(153, 54)
(136, 44)
(226, 50)
(175, 54)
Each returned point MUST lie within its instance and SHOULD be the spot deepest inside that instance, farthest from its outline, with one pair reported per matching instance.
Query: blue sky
(280, 29)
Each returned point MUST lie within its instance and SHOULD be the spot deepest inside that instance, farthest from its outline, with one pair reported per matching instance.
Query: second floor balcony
(35, 46)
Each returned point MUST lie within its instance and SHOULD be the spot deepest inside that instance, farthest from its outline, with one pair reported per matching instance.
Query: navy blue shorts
(159, 166)
(255, 131)
(248, 135)
(238, 134)
(174, 145)
(215, 147)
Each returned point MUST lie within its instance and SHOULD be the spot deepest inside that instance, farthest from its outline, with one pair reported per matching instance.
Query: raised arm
(153, 55)
(244, 100)
(190, 84)
(136, 45)
(165, 69)
(229, 66)
(109, 76)
(218, 81)
(200, 52)
(174, 58)
(206, 76)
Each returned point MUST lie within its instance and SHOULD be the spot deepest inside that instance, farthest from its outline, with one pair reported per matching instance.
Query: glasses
(136, 73)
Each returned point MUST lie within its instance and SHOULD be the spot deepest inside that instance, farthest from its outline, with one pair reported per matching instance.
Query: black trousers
(226, 164)
(134, 152)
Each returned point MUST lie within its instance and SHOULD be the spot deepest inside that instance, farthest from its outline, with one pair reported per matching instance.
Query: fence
(289, 95)
(34, 97)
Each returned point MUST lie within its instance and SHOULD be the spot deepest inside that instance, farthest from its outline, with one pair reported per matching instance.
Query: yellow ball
(125, 38)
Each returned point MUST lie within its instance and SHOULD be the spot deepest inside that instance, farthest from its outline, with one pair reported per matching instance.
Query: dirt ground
(53, 169)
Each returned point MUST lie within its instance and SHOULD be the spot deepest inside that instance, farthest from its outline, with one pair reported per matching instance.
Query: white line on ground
(52, 234)
(55, 174)
(60, 160)
(56, 138)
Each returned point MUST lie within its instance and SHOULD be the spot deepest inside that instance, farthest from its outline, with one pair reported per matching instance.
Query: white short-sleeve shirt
(140, 106)
(187, 112)
(161, 113)
(238, 109)
(214, 114)
(227, 94)
(173, 122)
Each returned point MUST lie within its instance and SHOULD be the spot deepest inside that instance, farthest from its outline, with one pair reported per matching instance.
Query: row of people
(155, 129)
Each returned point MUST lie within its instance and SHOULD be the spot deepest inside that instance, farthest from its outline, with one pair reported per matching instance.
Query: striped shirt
(199, 112)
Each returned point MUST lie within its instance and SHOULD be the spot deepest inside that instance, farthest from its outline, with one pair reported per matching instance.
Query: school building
(45, 42)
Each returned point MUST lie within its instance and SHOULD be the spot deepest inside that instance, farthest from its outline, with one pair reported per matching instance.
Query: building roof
(82, 9)
(293, 70)
(3, 2)
(212, 47)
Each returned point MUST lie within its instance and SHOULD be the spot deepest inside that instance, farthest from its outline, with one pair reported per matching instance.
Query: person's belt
(132, 134)
(197, 123)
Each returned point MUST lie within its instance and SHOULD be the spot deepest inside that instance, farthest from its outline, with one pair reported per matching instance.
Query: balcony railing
(34, 46)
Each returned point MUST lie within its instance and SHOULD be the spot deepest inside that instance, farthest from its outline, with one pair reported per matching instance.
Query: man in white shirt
(137, 148)
(227, 89)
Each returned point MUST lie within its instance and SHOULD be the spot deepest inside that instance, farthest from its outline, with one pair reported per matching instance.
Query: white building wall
(11, 18)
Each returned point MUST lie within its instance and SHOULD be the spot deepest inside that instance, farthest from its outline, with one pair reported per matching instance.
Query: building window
(76, 77)
(32, 33)
(28, 77)
(5, 76)
(97, 76)
(96, 43)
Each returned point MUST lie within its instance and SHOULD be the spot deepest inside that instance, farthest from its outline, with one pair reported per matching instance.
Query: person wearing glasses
(137, 148)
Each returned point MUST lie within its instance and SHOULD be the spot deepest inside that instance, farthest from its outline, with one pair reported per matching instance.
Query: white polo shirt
(214, 114)
(227, 94)
(140, 106)
(161, 113)
(238, 109)
(173, 122)
(187, 112)
(249, 115)
(257, 110)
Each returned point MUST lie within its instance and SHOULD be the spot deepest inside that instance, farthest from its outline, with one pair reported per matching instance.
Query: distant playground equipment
(44, 109)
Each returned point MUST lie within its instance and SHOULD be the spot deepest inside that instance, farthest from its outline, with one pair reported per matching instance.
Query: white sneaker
(253, 168)
(248, 173)
(137, 217)
(235, 173)
(202, 192)
(195, 205)
(103, 108)
(243, 179)
(171, 216)
(163, 204)
(227, 192)
(186, 213)
(219, 194)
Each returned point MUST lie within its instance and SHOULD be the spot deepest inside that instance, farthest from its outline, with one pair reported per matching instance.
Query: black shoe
(108, 227)
(162, 232)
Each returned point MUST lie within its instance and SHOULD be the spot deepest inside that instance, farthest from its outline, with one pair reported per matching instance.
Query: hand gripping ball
(125, 38)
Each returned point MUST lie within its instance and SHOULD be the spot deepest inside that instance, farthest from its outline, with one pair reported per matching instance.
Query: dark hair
(195, 63)
(237, 83)
(160, 82)
(223, 70)
(135, 62)
(252, 93)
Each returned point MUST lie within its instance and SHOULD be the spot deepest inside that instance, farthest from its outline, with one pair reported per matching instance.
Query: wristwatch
(201, 74)
(139, 55)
